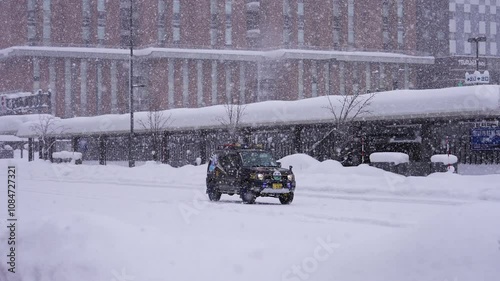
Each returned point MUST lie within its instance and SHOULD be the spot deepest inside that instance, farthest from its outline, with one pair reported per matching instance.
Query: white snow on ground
(154, 222)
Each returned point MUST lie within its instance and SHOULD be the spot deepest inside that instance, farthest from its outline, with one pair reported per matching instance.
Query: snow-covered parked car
(249, 172)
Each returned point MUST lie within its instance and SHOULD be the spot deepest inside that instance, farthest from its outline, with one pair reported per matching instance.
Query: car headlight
(290, 177)
(260, 177)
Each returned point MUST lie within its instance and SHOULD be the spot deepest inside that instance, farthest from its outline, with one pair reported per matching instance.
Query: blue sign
(485, 138)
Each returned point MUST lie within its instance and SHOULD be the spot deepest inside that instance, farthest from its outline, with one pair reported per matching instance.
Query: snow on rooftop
(399, 104)
(94, 52)
(9, 124)
(11, 138)
(17, 95)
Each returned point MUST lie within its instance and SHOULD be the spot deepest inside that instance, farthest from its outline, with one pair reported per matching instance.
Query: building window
(493, 48)
(453, 25)
(300, 19)
(229, 28)
(401, 28)
(162, 37)
(253, 20)
(493, 28)
(176, 22)
(101, 22)
(213, 22)
(482, 9)
(350, 22)
(467, 8)
(453, 47)
(467, 47)
(467, 26)
(482, 27)
(336, 24)
(31, 22)
(453, 7)
(385, 24)
(46, 22)
(287, 22)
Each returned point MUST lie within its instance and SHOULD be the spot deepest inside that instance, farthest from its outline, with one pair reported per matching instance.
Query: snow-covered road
(102, 223)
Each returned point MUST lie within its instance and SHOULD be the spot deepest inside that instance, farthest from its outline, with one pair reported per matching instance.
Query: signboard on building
(471, 62)
(487, 138)
(477, 77)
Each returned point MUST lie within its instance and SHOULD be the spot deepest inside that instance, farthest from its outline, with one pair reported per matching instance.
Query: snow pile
(389, 157)
(67, 155)
(300, 162)
(444, 158)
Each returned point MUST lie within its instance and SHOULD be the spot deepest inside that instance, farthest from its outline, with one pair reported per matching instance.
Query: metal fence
(419, 138)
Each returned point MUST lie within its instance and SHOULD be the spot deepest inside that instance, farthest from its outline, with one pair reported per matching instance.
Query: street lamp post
(477, 40)
(131, 160)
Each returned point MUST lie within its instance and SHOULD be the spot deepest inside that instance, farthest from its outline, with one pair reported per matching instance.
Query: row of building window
(318, 74)
(252, 19)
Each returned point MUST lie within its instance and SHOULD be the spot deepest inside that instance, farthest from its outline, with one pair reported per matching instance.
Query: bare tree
(155, 123)
(231, 120)
(46, 129)
(345, 109)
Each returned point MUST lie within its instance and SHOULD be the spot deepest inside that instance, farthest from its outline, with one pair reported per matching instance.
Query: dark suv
(249, 172)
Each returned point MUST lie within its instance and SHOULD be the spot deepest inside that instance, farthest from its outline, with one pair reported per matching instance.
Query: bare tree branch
(47, 126)
(232, 119)
(155, 124)
(345, 109)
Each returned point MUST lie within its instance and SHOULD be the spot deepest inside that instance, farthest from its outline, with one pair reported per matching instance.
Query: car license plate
(277, 185)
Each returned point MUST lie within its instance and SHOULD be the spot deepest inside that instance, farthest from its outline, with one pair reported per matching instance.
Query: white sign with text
(477, 77)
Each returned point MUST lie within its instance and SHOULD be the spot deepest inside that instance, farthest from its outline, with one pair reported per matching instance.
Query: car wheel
(214, 195)
(248, 197)
(286, 199)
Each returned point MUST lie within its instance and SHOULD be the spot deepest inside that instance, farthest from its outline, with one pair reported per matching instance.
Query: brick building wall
(199, 53)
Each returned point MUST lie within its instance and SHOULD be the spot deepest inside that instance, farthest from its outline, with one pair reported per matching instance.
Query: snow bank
(311, 176)
(389, 157)
(444, 158)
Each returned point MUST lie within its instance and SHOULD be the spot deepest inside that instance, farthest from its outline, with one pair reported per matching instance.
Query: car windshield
(258, 159)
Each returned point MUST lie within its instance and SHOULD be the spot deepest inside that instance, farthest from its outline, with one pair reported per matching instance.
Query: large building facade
(192, 53)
